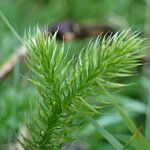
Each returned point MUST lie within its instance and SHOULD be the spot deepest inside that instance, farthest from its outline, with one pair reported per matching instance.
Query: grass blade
(111, 139)
(127, 121)
(146, 85)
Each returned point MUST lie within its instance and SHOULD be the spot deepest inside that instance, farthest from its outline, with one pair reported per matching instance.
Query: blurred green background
(16, 92)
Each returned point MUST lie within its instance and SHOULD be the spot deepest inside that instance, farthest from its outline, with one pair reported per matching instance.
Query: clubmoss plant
(69, 88)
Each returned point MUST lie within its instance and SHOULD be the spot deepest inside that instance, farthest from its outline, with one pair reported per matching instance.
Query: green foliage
(129, 124)
(117, 145)
(43, 11)
(69, 88)
(12, 112)
(146, 85)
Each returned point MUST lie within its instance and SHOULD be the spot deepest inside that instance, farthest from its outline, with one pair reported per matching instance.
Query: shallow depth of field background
(16, 91)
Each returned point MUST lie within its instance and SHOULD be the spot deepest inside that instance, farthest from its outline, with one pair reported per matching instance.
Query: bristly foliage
(67, 87)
